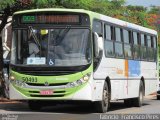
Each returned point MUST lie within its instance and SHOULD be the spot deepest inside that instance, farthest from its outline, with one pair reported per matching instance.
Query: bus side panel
(114, 69)
(132, 74)
(98, 90)
(149, 73)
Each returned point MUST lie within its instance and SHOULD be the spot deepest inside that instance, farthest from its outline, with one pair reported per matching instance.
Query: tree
(154, 10)
(137, 8)
(7, 8)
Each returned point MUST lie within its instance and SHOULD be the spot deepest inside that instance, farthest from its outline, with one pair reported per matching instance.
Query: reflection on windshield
(53, 47)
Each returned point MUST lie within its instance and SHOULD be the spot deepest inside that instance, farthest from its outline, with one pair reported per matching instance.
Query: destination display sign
(55, 19)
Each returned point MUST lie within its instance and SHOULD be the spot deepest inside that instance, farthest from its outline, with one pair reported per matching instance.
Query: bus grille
(55, 94)
(52, 84)
(46, 95)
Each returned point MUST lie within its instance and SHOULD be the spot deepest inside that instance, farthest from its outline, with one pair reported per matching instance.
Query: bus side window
(150, 48)
(118, 43)
(155, 47)
(143, 47)
(109, 41)
(136, 47)
(127, 44)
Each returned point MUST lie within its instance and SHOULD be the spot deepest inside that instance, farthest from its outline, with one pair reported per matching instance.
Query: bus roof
(96, 16)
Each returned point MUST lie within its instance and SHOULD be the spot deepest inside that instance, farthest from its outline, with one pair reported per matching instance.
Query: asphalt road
(20, 111)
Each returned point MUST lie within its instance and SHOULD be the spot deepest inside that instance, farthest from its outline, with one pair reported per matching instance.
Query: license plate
(46, 92)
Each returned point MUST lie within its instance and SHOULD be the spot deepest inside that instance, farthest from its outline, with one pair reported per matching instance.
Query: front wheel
(102, 106)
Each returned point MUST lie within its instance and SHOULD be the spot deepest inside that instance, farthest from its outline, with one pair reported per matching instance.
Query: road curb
(5, 100)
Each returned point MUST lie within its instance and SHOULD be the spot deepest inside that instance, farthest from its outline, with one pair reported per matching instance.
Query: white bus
(84, 56)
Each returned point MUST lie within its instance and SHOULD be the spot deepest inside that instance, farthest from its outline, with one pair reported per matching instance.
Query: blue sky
(145, 3)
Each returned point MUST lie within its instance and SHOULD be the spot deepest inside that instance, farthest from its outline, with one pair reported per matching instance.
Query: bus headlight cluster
(79, 82)
(19, 83)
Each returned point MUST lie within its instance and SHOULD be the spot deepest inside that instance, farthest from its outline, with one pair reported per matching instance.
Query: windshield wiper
(34, 36)
(62, 33)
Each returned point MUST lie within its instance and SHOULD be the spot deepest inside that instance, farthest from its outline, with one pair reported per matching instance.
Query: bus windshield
(51, 47)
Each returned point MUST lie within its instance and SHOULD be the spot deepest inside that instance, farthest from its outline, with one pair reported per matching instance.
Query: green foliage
(117, 3)
(5, 3)
(79, 4)
(42, 3)
(100, 7)
(111, 8)
(137, 8)
(154, 10)
(142, 19)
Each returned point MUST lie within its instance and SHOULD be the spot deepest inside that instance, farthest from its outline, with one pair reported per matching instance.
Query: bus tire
(34, 105)
(138, 102)
(102, 106)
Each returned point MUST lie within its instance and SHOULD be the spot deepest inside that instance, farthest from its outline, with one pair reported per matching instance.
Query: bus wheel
(138, 102)
(102, 106)
(34, 105)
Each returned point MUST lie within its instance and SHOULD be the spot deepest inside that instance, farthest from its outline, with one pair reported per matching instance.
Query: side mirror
(98, 44)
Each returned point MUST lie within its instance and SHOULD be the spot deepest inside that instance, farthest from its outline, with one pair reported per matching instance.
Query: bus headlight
(20, 83)
(70, 85)
(79, 82)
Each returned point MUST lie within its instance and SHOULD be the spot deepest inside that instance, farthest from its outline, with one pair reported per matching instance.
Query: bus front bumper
(81, 93)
